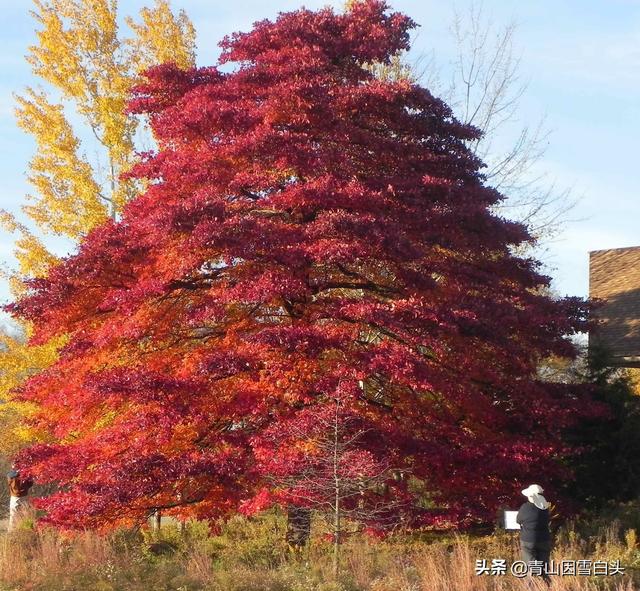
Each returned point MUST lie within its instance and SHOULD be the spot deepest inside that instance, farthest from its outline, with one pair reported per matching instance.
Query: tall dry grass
(250, 555)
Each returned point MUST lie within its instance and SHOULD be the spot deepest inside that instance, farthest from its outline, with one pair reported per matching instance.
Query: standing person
(18, 489)
(533, 517)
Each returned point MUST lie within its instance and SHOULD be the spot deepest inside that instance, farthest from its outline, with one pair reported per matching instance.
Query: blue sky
(580, 57)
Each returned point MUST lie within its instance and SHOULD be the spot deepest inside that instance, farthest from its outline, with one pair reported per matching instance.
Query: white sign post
(511, 525)
(510, 522)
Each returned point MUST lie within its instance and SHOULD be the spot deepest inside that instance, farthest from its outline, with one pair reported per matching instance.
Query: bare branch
(486, 90)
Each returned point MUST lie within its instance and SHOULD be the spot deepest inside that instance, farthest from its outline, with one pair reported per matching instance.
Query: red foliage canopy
(309, 233)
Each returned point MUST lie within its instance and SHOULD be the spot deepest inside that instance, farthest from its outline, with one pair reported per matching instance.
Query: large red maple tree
(309, 234)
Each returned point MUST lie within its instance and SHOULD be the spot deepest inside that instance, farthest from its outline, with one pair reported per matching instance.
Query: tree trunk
(298, 526)
(336, 502)
(336, 537)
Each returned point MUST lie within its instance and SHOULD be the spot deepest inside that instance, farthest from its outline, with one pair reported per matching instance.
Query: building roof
(614, 278)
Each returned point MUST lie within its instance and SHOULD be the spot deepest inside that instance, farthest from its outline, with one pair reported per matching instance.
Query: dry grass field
(250, 555)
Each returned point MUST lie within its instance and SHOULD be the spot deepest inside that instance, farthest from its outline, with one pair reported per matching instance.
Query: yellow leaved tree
(85, 70)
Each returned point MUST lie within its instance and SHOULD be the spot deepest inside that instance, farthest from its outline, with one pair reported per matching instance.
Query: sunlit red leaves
(310, 234)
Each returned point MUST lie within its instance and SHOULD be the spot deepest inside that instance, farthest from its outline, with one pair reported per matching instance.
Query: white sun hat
(534, 493)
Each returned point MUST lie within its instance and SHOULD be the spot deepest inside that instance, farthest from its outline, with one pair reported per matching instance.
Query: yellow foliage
(90, 71)
(349, 4)
(80, 55)
(33, 258)
(634, 375)
(162, 37)
(397, 70)
(67, 200)
(19, 361)
(105, 420)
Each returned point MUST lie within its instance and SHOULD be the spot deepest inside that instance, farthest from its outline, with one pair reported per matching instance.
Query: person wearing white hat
(533, 517)
(18, 489)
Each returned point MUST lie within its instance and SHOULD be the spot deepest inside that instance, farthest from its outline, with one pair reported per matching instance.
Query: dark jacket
(534, 523)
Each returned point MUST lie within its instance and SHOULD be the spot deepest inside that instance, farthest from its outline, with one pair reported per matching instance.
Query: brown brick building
(614, 278)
